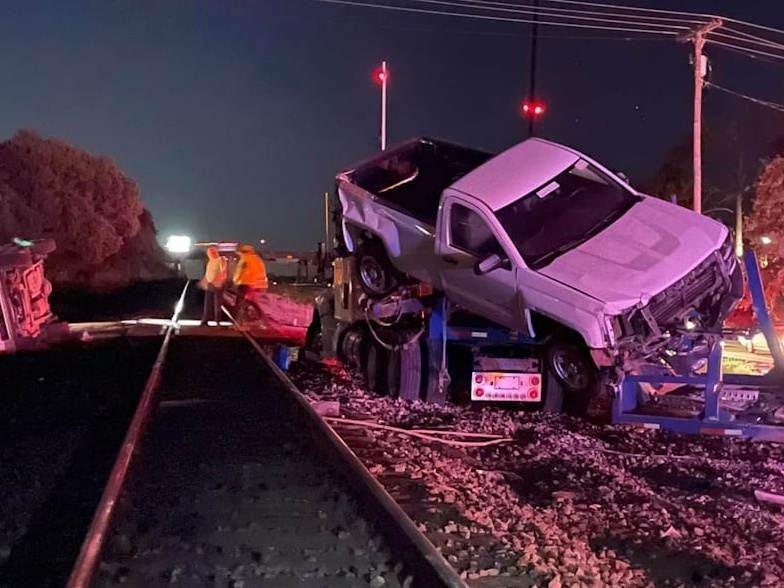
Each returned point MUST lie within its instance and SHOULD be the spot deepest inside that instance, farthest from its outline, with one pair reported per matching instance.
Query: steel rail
(430, 568)
(86, 563)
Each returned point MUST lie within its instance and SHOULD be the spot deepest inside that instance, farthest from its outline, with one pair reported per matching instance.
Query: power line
(772, 105)
(732, 38)
(478, 33)
(746, 50)
(705, 16)
(506, 8)
(753, 56)
(492, 17)
(728, 33)
(748, 38)
(528, 8)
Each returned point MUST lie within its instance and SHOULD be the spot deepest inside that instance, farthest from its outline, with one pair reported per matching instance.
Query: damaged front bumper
(683, 319)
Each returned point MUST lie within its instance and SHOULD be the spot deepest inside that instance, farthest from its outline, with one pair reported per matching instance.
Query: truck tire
(404, 371)
(573, 370)
(553, 394)
(313, 334)
(375, 274)
(376, 369)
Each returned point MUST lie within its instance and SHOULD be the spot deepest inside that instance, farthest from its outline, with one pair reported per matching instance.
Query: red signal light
(380, 75)
(533, 108)
(479, 379)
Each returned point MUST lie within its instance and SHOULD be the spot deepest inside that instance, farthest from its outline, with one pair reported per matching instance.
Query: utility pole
(739, 223)
(700, 70)
(383, 79)
(532, 83)
(326, 218)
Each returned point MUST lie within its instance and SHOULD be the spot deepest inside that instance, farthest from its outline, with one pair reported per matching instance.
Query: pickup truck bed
(411, 177)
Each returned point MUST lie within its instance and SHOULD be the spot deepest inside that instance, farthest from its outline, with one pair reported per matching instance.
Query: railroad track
(227, 477)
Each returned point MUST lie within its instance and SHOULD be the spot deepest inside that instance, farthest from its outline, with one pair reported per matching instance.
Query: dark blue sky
(233, 116)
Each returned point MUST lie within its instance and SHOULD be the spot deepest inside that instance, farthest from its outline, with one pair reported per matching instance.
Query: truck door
(465, 237)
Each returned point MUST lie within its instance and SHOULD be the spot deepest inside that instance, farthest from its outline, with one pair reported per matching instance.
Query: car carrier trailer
(420, 347)
(417, 348)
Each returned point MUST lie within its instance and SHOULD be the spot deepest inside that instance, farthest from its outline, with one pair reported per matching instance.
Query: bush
(105, 238)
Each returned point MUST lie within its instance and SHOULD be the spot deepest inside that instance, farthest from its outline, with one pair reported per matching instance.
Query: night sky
(233, 116)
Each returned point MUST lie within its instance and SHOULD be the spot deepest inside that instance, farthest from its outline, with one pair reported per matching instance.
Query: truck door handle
(451, 259)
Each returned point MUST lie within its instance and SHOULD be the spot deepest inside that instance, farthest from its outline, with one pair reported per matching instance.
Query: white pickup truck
(544, 240)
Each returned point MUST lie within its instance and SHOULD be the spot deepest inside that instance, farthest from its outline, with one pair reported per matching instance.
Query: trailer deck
(712, 402)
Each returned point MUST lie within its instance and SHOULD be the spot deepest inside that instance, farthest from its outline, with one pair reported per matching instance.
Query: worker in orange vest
(250, 276)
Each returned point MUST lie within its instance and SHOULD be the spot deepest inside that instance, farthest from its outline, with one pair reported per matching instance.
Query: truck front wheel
(574, 369)
(374, 271)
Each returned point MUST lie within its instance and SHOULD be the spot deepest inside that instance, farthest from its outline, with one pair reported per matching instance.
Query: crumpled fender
(362, 212)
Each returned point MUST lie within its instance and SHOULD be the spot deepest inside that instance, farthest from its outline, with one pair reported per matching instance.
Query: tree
(92, 210)
(764, 229)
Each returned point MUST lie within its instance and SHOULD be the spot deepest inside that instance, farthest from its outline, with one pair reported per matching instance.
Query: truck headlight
(610, 324)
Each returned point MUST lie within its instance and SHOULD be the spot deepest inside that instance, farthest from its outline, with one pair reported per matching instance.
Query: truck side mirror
(491, 262)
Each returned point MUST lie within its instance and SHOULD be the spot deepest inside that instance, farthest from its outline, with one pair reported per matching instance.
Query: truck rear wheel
(313, 334)
(375, 273)
(404, 371)
(376, 371)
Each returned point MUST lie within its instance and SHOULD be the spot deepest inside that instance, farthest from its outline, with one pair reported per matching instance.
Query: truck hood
(648, 249)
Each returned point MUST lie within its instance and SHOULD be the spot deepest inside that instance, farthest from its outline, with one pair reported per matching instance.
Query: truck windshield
(565, 212)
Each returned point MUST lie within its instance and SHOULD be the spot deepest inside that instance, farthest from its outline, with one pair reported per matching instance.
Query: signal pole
(532, 83)
(700, 70)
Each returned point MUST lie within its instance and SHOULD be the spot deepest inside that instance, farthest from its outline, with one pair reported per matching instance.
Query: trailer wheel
(375, 273)
(404, 372)
(574, 371)
(376, 369)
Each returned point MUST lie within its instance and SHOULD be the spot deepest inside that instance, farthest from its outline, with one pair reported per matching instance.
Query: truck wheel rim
(372, 274)
(568, 368)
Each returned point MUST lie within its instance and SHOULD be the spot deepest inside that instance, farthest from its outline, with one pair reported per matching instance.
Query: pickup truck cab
(544, 240)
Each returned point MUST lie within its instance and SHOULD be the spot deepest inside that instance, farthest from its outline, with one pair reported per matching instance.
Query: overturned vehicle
(543, 240)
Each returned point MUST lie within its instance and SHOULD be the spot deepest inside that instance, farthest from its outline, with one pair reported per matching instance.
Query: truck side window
(469, 231)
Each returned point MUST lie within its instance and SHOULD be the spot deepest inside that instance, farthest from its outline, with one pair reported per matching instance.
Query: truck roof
(516, 172)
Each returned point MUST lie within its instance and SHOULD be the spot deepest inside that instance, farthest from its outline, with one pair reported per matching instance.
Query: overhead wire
(595, 20)
(606, 17)
(639, 10)
(759, 101)
(555, 12)
(746, 50)
(746, 37)
(529, 10)
(492, 17)
(727, 37)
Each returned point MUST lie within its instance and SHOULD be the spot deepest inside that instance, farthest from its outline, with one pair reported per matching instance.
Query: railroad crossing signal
(533, 108)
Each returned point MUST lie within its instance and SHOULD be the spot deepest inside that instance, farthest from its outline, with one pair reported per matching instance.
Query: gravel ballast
(568, 502)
